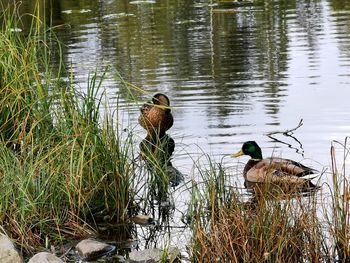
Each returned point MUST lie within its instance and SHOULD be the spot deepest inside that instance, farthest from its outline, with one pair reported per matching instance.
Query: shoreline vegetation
(274, 224)
(64, 165)
(62, 159)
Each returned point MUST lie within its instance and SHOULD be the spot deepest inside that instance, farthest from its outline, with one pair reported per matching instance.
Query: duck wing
(279, 167)
(290, 167)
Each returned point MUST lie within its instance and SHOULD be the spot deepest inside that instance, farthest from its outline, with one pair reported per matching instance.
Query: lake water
(234, 71)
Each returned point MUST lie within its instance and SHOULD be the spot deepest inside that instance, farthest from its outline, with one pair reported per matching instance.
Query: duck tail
(308, 176)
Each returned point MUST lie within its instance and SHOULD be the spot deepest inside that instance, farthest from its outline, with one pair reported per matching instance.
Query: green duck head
(250, 148)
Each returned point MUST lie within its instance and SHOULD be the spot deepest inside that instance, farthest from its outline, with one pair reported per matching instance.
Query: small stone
(90, 249)
(143, 220)
(45, 257)
(8, 252)
(145, 256)
(153, 255)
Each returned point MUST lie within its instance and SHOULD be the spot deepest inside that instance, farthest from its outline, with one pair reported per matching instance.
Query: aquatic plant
(270, 224)
(338, 217)
(63, 163)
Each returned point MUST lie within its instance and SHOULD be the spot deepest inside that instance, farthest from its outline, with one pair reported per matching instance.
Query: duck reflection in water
(157, 148)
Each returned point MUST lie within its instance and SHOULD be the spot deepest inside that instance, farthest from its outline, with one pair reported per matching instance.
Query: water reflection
(235, 71)
(265, 191)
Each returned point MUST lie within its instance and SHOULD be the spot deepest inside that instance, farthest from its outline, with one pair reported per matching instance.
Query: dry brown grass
(261, 230)
(277, 224)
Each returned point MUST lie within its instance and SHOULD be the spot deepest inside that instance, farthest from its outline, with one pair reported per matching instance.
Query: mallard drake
(259, 170)
(156, 115)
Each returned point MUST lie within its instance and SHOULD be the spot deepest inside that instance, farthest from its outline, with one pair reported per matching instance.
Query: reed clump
(272, 224)
(338, 213)
(62, 159)
(258, 231)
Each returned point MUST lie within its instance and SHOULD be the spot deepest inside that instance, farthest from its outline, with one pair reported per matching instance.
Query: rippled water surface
(234, 71)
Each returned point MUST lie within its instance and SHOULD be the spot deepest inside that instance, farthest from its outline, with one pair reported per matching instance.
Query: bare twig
(287, 132)
(297, 150)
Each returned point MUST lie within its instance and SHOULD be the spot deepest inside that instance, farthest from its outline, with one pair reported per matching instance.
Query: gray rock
(8, 252)
(90, 249)
(45, 257)
(153, 255)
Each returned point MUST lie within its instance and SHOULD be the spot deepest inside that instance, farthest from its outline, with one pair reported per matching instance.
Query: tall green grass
(156, 161)
(339, 214)
(62, 158)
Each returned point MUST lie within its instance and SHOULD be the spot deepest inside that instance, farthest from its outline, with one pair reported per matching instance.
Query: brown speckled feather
(275, 169)
(156, 119)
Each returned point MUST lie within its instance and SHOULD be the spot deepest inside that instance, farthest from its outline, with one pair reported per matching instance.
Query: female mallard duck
(156, 116)
(273, 169)
(158, 150)
(157, 154)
